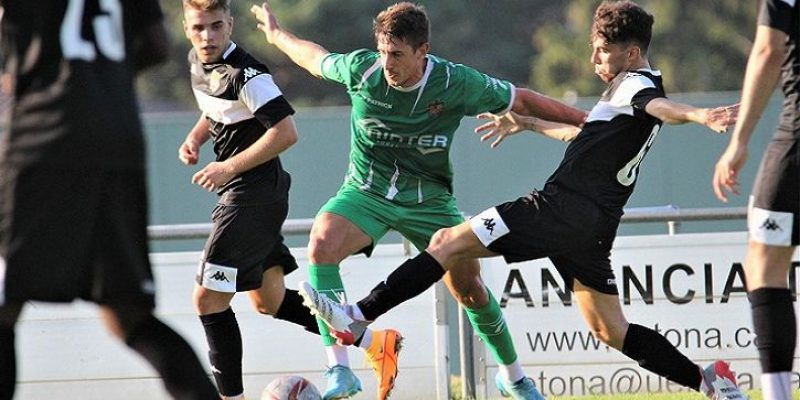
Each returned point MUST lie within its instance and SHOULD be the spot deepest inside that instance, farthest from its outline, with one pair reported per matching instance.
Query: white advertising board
(688, 287)
(64, 352)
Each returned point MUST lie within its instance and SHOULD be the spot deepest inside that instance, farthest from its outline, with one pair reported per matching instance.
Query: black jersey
(71, 62)
(241, 101)
(784, 15)
(602, 163)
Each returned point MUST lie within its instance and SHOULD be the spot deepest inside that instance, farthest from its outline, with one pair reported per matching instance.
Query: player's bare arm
(531, 103)
(306, 54)
(718, 119)
(501, 126)
(763, 73)
(275, 141)
(189, 150)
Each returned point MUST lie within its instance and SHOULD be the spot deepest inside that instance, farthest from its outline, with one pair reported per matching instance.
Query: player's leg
(122, 283)
(333, 238)
(242, 243)
(653, 352)
(272, 298)
(767, 268)
(418, 224)
(164, 349)
(224, 339)
(773, 227)
(9, 313)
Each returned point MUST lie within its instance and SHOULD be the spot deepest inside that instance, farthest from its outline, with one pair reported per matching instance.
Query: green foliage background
(699, 45)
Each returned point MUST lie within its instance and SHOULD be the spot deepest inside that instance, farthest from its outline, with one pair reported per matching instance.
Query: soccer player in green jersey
(406, 107)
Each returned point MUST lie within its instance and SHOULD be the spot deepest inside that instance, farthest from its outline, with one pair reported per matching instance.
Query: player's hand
(267, 22)
(719, 119)
(213, 176)
(499, 127)
(188, 153)
(726, 172)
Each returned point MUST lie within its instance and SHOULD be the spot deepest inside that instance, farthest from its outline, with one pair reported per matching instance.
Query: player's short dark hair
(208, 5)
(407, 22)
(623, 22)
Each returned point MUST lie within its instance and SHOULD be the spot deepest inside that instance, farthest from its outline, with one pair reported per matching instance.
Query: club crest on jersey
(214, 80)
(436, 108)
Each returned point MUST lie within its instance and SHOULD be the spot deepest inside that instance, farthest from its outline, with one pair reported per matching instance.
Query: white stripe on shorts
(219, 278)
(488, 226)
(2, 280)
(773, 228)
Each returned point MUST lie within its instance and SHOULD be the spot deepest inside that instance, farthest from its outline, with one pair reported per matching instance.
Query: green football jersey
(401, 137)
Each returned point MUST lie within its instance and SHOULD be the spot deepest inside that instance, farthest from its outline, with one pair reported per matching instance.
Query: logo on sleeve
(250, 72)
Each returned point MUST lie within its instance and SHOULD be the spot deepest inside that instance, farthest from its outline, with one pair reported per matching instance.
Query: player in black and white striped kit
(73, 199)
(250, 123)
(774, 208)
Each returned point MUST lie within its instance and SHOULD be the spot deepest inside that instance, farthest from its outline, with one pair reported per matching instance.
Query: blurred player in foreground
(73, 201)
(774, 207)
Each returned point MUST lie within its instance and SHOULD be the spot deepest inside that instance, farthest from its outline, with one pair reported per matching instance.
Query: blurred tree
(540, 43)
(699, 45)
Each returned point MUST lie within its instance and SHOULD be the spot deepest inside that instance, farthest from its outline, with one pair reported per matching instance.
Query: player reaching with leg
(407, 105)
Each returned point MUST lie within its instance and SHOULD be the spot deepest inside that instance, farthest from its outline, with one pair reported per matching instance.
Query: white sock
(776, 386)
(356, 313)
(366, 340)
(512, 372)
(337, 355)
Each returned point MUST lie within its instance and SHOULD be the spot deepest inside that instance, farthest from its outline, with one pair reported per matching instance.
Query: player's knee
(323, 251)
(206, 304)
(439, 238)
(610, 335)
(469, 292)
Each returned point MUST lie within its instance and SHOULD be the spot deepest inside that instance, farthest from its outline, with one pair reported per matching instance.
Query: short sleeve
(777, 14)
(483, 93)
(262, 97)
(349, 68)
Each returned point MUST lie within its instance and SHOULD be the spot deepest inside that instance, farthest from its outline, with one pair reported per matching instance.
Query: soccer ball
(290, 387)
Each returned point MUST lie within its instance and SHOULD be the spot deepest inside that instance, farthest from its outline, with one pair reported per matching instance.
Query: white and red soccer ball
(290, 387)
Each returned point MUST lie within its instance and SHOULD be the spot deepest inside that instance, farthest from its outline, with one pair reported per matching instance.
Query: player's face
(209, 32)
(403, 65)
(610, 59)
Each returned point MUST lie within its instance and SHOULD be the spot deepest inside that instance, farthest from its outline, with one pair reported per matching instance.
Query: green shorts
(375, 215)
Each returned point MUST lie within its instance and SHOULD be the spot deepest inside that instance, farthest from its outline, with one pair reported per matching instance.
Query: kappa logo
(489, 224)
(770, 225)
(219, 276)
(250, 72)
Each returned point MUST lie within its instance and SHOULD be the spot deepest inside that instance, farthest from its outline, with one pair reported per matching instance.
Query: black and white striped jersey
(241, 101)
(603, 161)
(784, 15)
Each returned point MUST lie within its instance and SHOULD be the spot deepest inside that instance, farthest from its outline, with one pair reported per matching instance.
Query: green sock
(491, 327)
(325, 279)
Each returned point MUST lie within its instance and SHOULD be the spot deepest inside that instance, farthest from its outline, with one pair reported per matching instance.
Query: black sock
(656, 354)
(776, 330)
(224, 351)
(173, 358)
(293, 310)
(406, 282)
(8, 363)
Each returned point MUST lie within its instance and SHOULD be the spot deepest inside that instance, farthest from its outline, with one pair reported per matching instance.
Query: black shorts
(244, 242)
(68, 233)
(569, 229)
(772, 217)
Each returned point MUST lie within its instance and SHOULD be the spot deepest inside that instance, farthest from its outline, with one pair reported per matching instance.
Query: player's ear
(424, 48)
(634, 52)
